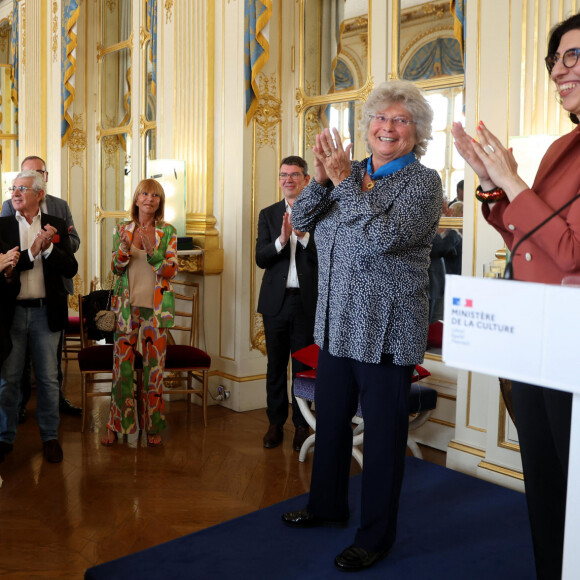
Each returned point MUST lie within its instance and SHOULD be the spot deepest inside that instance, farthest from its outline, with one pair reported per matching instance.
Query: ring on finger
(488, 149)
(328, 153)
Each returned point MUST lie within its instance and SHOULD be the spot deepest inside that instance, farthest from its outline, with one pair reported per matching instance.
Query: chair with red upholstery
(186, 363)
(96, 364)
(422, 403)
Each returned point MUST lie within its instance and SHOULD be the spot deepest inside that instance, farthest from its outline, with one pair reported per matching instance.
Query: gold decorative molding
(144, 36)
(268, 113)
(110, 148)
(78, 288)
(190, 264)
(145, 125)
(258, 336)
(413, 43)
(466, 448)
(5, 32)
(54, 42)
(304, 101)
(425, 11)
(501, 470)
(168, 11)
(77, 143)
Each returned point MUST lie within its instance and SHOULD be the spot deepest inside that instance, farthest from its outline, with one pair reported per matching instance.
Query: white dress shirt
(31, 281)
(292, 280)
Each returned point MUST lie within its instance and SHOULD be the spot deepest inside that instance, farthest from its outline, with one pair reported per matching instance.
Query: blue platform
(451, 527)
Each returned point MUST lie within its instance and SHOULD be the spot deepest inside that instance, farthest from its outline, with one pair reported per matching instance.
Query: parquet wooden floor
(103, 503)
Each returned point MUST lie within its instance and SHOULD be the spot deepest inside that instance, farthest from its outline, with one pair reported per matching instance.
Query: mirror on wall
(335, 46)
(427, 44)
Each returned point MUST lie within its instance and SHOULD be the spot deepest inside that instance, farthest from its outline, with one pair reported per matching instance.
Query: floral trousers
(146, 406)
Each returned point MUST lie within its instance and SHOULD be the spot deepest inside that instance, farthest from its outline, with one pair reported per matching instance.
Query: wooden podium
(526, 332)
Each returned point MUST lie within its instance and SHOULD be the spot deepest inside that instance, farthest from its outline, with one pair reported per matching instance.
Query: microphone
(509, 269)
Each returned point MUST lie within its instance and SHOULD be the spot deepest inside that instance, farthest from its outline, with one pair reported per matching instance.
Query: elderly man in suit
(40, 310)
(287, 299)
(59, 208)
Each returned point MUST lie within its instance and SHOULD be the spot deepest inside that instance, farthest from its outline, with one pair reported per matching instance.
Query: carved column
(194, 51)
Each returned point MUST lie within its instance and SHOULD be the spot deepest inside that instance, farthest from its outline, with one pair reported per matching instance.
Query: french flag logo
(466, 303)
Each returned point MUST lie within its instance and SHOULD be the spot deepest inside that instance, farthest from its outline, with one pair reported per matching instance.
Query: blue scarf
(389, 167)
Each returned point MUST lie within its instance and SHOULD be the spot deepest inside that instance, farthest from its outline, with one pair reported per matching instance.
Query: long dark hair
(572, 23)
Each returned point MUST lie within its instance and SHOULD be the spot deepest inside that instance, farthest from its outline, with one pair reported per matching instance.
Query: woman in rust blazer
(549, 255)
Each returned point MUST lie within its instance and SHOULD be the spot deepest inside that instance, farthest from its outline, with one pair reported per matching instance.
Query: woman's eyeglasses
(397, 121)
(569, 59)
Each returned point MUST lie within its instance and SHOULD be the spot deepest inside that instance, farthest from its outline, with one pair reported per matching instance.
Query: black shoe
(300, 435)
(22, 415)
(52, 451)
(354, 558)
(273, 437)
(66, 407)
(5, 449)
(304, 519)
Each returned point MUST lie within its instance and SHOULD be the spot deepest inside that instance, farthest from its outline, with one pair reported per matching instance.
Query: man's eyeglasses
(20, 188)
(569, 59)
(397, 121)
(294, 176)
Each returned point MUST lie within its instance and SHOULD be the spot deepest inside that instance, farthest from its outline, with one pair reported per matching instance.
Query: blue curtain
(440, 57)
(458, 11)
(70, 15)
(152, 26)
(14, 58)
(257, 14)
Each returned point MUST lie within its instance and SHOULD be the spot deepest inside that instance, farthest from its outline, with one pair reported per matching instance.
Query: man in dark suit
(40, 310)
(287, 299)
(55, 206)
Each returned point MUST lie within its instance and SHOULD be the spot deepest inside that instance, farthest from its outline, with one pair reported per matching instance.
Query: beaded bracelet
(489, 196)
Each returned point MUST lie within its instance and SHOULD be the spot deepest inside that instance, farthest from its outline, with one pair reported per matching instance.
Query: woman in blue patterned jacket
(374, 221)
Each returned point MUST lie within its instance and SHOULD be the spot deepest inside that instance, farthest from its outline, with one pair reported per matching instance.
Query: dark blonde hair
(149, 186)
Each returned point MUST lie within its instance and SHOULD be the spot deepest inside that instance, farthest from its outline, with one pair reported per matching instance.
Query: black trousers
(286, 332)
(384, 396)
(543, 418)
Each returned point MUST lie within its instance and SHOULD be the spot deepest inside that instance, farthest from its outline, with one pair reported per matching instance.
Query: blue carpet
(451, 526)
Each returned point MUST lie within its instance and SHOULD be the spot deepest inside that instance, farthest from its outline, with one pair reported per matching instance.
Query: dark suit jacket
(8, 293)
(61, 263)
(277, 265)
(59, 208)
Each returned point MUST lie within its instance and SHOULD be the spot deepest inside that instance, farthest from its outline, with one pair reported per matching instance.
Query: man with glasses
(58, 207)
(40, 310)
(287, 299)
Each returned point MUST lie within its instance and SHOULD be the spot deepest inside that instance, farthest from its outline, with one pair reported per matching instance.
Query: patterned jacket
(163, 261)
(373, 257)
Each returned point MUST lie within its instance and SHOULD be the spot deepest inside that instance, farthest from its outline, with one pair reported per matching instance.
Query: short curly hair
(411, 97)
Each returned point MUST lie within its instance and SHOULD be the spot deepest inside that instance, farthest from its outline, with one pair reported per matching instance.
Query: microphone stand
(509, 269)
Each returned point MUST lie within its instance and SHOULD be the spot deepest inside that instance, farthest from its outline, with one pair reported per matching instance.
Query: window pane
(115, 89)
(116, 192)
(116, 21)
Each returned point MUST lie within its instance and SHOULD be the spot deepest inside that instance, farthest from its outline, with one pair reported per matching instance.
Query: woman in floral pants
(145, 259)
